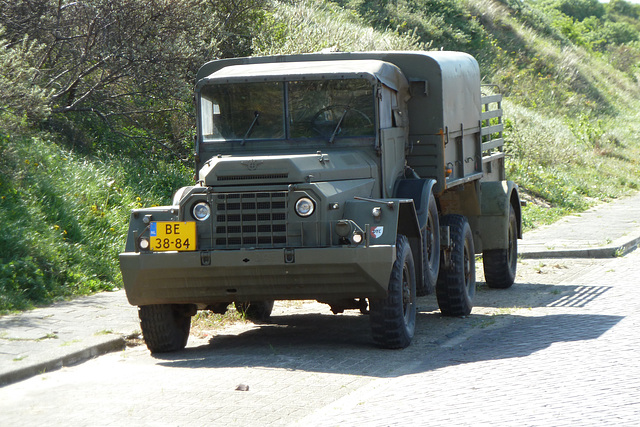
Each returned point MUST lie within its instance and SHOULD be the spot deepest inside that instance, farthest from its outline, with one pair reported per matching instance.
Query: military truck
(361, 180)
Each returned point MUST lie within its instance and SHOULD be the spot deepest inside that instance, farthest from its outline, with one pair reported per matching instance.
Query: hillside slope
(570, 82)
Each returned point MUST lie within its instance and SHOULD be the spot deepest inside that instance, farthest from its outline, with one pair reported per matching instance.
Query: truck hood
(286, 169)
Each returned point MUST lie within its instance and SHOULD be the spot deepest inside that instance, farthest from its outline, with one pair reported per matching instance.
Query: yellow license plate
(172, 236)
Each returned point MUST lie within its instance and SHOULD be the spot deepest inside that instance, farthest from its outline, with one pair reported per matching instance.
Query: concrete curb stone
(58, 361)
(64, 334)
(611, 251)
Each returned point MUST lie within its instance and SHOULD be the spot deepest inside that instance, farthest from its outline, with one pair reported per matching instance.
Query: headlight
(343, 228)
(201, 211)
(305, 207)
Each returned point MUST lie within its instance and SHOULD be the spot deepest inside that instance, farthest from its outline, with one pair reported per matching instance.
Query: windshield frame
(372, 112)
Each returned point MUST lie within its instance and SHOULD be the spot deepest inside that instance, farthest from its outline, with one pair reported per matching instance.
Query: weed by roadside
(205, 321)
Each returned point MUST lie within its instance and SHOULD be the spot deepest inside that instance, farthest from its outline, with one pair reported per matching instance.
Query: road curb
(72, 358)
(596, 253)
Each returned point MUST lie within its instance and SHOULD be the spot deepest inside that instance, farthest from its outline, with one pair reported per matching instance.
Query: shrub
(22, 102)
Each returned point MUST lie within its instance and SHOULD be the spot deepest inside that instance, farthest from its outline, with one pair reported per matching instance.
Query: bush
(22, 102)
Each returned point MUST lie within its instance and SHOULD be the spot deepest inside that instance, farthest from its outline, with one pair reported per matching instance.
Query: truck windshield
(242, 111)
(331, 108)
(326, 109)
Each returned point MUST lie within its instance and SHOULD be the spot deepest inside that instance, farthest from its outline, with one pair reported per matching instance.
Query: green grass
(65, 217)
(312, 25)
(570, 112)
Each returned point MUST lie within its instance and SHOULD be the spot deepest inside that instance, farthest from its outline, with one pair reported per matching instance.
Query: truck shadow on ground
(342, 344)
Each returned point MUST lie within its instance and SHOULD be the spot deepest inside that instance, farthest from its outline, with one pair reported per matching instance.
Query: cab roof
(369, 69)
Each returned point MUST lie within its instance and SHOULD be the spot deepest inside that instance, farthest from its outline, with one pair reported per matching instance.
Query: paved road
(559, 348)
(571, 362)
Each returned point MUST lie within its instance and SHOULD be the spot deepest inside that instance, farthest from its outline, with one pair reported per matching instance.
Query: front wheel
(165, 327)
(393, 319)
(456, 285)
(430, 249)
(500, 264)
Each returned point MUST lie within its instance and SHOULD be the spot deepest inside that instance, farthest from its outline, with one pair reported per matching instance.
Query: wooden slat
(494, 143)
(490, 114)
(488, 130)
(491, 98)
(492, 157)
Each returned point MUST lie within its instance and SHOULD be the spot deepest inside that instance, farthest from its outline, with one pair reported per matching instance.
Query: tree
(20, 100)
(623, 8)
(130, 62)
(581, 9)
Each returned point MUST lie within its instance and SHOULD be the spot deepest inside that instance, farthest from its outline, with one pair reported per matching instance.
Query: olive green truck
(361, 180)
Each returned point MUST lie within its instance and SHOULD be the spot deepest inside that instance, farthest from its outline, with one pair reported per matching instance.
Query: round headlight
(304, 207)
(201, 211)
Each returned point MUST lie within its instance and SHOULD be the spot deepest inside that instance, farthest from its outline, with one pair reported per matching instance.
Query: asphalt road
(559, 348)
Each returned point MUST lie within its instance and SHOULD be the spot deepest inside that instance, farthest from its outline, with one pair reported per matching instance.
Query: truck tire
(165, 327)
(500, 264)
(255, 310)
(393, 319)
(430, 250)
(456, 285)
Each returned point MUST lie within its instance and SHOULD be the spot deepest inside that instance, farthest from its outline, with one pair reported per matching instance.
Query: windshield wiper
(253, 123)
(335, 131)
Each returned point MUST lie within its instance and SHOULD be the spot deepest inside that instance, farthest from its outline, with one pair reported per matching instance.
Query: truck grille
(252, 177)
(250, 220)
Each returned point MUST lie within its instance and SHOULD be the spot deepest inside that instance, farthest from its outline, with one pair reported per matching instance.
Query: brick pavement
(69, 332)
(64, 333)
(568, 358)
(572, 362)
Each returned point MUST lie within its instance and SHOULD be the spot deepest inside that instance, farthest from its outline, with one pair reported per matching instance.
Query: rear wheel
(255, 310)
(500, 264)
(393, 319)
(456, 285)
(430, 249)
(165, 327)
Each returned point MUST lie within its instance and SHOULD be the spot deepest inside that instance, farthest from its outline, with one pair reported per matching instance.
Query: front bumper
(208, 277)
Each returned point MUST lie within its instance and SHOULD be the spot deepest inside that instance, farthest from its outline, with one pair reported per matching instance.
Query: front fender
(418, 190)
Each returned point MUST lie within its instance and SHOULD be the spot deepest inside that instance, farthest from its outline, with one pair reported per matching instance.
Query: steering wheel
(325, 124)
